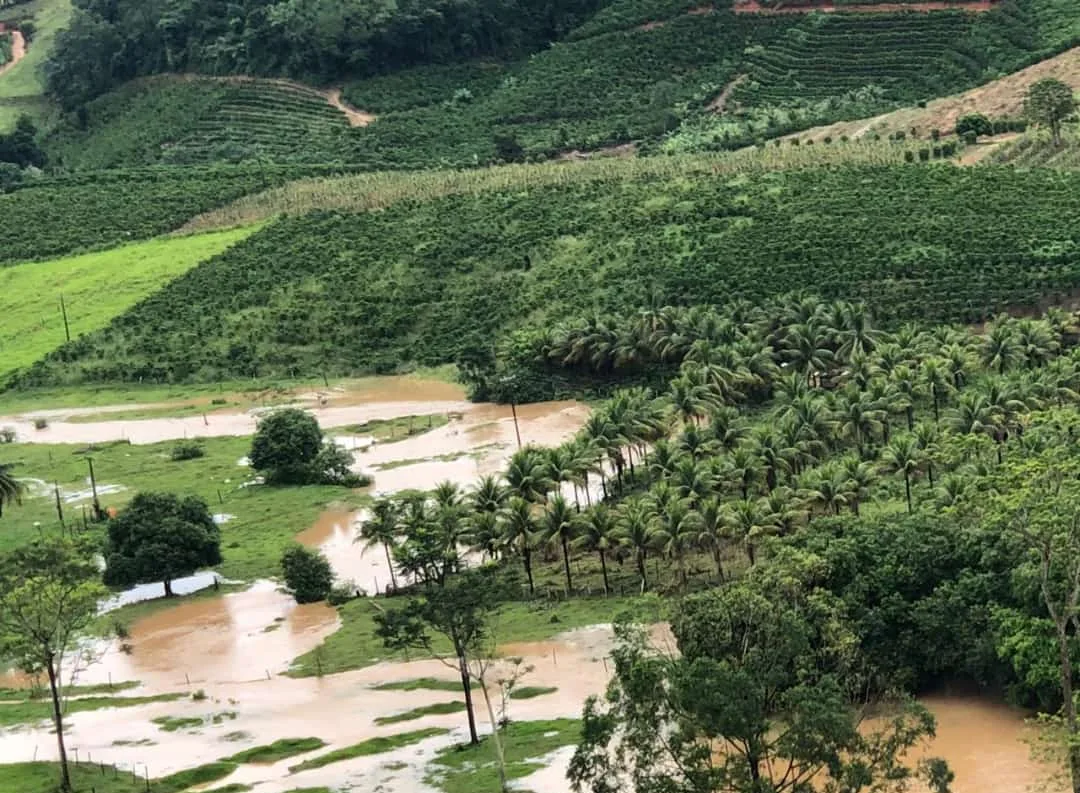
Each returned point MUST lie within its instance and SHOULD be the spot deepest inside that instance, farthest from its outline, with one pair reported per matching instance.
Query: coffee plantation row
(620, 77)
(340, 293)
(62, 215)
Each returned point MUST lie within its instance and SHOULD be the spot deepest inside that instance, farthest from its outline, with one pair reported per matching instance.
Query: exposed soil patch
(972, 155)
(754, 7)
(18, 51)
(717, 105)
(998, 99)
(623, 150)
(357, 117)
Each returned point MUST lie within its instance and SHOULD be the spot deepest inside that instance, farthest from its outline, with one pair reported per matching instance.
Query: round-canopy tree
(286, 446)
(1049, 102)
(160, 537)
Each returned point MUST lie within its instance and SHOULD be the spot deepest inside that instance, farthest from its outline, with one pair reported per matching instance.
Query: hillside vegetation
(95, 287)
(22, 88)
(202, 120)
(62, 215)
(341, 292)
(636, 71)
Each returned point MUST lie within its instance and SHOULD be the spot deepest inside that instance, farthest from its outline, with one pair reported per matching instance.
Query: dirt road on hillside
(18, 51)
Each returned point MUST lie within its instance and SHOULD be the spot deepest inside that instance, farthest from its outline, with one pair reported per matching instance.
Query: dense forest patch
(342, 292)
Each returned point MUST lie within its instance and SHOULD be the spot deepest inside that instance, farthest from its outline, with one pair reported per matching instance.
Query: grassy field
(22, 89)
(43, 778)
(264, 522)
(370, 746)
(471, 769)
(278, 750)
(355, 644)
(96, 287)
(35, 711)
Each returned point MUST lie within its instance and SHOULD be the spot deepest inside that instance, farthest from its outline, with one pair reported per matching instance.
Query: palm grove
(864, 485)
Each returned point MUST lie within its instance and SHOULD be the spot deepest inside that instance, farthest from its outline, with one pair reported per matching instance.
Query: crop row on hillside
(346, 292)
(55, 217)
(198, 120)
(609, 83)
(94, 287)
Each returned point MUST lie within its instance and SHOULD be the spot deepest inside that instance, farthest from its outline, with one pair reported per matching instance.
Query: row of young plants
(181, 121)
(52, 217)
(806, 473)
(339, 293)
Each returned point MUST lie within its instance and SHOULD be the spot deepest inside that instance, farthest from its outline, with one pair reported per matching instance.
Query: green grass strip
(371, 746)
(33, 711)
(438, 709)
(418, 683)
(531, 692)
(278, 750)
(200, 775)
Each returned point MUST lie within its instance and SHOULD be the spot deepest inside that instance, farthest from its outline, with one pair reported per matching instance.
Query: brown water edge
(238, 637)
(981, 739)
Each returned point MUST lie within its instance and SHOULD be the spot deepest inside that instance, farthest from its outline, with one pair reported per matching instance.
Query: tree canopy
(160, 537)
(1049, 101)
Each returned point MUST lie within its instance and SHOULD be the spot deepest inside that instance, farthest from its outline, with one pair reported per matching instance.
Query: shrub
(286, 445)
(307, 574)
(924, 155)
(970, 138)
(41, 423)
(975, 123)
(342, 593)
(909, 156)
(187, 450)
(935, 134)
(7, 435)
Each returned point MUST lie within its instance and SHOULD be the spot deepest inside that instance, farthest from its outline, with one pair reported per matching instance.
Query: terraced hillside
(342, 292)
(68, 214)
(201, 120)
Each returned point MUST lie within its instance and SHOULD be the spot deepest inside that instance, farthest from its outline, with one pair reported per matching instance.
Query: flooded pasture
(235, 646)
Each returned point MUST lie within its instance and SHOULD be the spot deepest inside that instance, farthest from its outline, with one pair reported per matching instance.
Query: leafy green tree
(307, 574)
(975, 123)
(286, 446)
(761, 699)
(160, 537)
(11, 489)
(461, 610)
(1050, 101)
(49, 592)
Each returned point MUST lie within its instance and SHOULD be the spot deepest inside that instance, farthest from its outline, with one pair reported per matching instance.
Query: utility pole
(517, 431)
(59, 505)
(98, 514)
(63, 312)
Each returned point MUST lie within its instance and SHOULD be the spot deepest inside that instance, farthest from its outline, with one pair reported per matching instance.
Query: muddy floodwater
(235, 647)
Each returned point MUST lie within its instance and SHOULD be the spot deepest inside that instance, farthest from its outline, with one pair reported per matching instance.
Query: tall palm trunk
(566, 565)
(719, 563)
(907, 490)
(603, 570)
(526, 558)
(641, 554)
(390, 566)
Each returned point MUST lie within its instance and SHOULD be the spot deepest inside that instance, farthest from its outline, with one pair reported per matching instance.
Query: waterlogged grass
(355, 644)
(420, 683)
(472, 769)
(45, 777)
(96, 287)
(177, 723)
(236, 787)
(437, 709)
(278, 750)
(532, 692)
(32, 712)
(265, 519)
(188, 778)
(369, 747)
(398, 429)
(41, 691)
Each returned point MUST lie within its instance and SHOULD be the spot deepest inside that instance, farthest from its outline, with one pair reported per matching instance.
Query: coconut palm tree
(726, 428)
(483, 534)
(1036, 342)
(999, 349)
(383, 528)
(690, 396)
(908, 391)
(599, 534)
(927, 436)
(853, 330)
(526, 474)
(859, 477)
(742, 470)
(859, 418)
(957, 363)
(782, 508)
(806, 347)
(559, 528)
(696, 442)
(749, 521)
(712, 532)
(692, 479)
(518, 531)
(11, 489)
(775, 456)
(824, 487)
(489, 494)
(562, 468)
(638, 531)
(903, 456)
(937, 382)
(678, 527)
